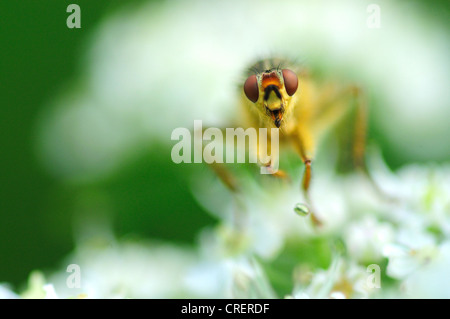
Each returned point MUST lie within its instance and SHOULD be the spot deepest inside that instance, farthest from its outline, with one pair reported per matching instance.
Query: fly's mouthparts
(278, 122)
(276, 115)
(269, 89)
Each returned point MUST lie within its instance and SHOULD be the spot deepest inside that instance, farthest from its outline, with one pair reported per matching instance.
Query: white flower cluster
(408, 231)
(372, 248)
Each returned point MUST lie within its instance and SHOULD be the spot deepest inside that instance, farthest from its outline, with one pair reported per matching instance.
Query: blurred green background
(39, 56)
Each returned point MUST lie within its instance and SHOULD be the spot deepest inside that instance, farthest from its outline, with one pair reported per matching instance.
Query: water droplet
(301, 209)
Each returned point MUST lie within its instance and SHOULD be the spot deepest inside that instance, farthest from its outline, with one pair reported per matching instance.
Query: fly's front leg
(307, 179)
(359, 144)
(360, 129)
(348, 108)
(358, 122)
(305, 146)
(269, 144)
(229, 179)
(219, 169)
(307, 175)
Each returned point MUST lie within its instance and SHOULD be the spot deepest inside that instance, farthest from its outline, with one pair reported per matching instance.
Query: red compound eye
(290, 81)
(251, 88)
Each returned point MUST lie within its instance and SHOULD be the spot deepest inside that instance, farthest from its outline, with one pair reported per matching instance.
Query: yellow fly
(279, 95)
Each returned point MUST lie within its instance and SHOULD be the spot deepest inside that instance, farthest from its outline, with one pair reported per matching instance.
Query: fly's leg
(219, 169)
(358, 138)
(278, 173)
(349, 110)
(359, 142)
(225, 176)
(360, 129)
(267, 164)
(306, 150)
(305, 186)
